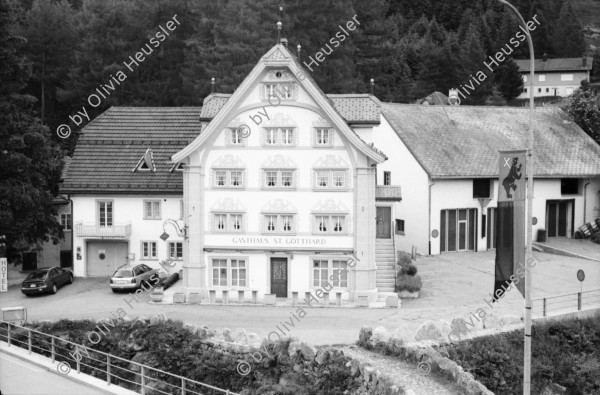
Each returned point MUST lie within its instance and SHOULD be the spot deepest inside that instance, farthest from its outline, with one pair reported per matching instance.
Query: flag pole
(528, 253)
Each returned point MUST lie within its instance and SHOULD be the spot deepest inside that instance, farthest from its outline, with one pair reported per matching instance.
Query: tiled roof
(357, 108)
(463, 141)
(354, 108)
(388, 192)
(562, 64)
(111, 145)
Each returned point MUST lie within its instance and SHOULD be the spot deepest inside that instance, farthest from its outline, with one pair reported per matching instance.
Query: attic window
(146, 162)
(177, 167)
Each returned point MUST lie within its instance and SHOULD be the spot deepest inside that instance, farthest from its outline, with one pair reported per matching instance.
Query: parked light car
(48, 279)
(126, 278)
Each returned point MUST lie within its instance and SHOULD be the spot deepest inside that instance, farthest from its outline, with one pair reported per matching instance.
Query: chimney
(584, 62)
(545, 57)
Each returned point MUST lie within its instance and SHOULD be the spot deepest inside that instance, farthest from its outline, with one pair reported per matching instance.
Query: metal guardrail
(570, 301)
(149, 380)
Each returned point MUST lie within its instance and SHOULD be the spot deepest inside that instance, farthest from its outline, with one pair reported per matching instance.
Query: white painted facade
(423, 199)
(281, 256)
(128, 226)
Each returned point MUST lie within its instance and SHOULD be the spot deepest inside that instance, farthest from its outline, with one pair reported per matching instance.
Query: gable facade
(279, 192)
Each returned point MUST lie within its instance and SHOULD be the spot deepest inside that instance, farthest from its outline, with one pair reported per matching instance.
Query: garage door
(104, 257)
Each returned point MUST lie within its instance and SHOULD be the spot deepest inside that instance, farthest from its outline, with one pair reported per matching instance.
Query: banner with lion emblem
(510, 226)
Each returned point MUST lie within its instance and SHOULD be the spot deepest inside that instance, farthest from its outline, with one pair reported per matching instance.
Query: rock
(227, 335)
(253, 340)
(239, 336)
(553, 389)
(192, 328)
(491, 321)
(380, 335)
(203, 333)
(308, 352)
(294, 348)
(444, 327)
(403, 333)
(365, 335)
(429, 330)
(510, 320)
(322, 357)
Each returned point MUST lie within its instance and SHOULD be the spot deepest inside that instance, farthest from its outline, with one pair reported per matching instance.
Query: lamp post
(528, 253)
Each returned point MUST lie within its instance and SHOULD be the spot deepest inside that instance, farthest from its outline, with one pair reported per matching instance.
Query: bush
(409, 270)
(408, 283)
(404, 258)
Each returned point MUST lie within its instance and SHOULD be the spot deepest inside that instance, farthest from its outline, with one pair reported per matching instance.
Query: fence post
(29, 340)
(183, 386)
(143, 382)
(544, 313)
(52, 348)
(578, 300)
(8, 333)
(78, 365)
(108, 369)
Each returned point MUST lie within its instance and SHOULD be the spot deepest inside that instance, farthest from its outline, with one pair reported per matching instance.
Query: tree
(568, 35)
(508, 80)
(30, 163)
(584, 107)
(50, 45)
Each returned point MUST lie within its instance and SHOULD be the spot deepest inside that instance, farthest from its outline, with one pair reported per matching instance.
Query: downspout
(431, 183)
(72, 232)
(585, 200)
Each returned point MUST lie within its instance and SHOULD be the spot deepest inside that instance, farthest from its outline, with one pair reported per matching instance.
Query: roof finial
(212, 82)
(372, 85)
(299, 47)
(279, 25)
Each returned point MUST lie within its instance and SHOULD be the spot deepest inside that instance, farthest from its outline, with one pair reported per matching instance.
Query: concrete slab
(583, 249)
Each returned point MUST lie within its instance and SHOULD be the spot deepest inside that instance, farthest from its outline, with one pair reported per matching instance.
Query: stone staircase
(385, 259)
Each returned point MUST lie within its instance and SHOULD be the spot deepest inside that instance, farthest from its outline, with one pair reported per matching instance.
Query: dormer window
(279, 136)
(278, 85)
(146, 162)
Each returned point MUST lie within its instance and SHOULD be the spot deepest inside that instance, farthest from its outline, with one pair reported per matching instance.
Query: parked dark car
(48, 279)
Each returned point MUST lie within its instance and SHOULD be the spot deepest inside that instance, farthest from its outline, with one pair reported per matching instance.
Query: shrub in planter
(409, 269)
(404, 258)
(408, 283)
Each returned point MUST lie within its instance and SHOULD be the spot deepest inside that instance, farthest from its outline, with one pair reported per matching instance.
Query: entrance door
(384, 222)
(559, 218)
(279, 284)
(492, 218)
(458, 230)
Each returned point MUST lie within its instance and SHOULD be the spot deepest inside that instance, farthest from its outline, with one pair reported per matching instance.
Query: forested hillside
(409, 47)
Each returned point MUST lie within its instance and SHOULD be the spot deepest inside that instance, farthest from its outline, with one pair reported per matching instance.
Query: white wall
(412, 178)
(458, 194)
(128, 209)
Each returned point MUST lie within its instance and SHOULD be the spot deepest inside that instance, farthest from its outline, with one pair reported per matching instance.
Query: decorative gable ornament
(229, 162)
(330, 206)
(278, 206)
(279, 161)
(275, 76)
(228, 205)
(146, 162)
(281, 120)
(330, 162)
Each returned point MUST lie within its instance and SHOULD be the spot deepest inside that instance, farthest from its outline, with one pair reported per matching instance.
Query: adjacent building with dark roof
(447, 160)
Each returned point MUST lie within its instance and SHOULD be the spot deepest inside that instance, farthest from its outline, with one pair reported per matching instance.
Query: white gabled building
(123, 187)
(285, 208)
(446, 160)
